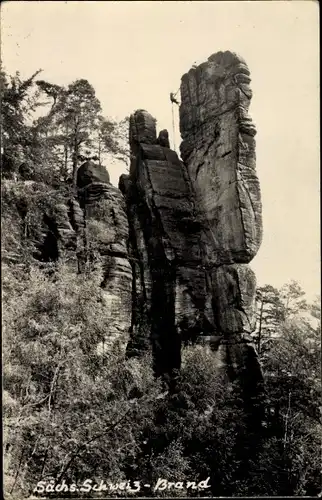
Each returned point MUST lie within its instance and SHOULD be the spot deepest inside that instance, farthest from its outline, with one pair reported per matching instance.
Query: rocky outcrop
(164, 234)
(38, 223)
(49, 225)
(106, 236)
(196, 223)
(90, 172)
(218, 149)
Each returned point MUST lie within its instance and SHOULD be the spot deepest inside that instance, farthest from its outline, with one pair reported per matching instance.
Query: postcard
(160, 249)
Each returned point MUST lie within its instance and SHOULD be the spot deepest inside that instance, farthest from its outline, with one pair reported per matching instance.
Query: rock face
(50, 225)
(165, 250)
(90, 172)
(196, 223)
(39, 220)
(218, 149)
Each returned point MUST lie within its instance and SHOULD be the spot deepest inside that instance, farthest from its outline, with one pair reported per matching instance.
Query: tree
(273, 308)
(270, 314)
(77, 111)
(293, 373)
(19, 99)
(292, 296)
(288, 341)
(51, 90)
(70, 412)
(111, 139)
(50, 147)
(75, 125)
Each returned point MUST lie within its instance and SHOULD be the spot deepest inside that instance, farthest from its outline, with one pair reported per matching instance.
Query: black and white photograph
(160, 245)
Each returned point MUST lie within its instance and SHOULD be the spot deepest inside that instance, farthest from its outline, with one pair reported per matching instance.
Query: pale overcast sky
(134, 54)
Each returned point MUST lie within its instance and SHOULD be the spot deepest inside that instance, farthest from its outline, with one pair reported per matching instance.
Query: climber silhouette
(173, 99)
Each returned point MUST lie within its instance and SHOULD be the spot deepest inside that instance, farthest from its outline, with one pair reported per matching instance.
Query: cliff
(175, 239)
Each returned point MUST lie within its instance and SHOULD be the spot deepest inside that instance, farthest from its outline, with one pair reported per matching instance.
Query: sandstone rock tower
(106, 234)
(195, 224)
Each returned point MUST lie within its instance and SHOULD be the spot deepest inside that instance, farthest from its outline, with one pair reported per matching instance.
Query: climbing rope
(173, 127)
(174, 141)
(176, 92)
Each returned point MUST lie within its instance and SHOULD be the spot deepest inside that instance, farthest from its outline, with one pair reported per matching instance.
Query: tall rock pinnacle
(218, 149)
(196, 224)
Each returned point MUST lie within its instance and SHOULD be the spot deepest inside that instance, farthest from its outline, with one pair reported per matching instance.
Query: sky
(134, 54)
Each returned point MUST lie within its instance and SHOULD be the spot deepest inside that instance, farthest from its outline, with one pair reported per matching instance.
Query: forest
(73, 414)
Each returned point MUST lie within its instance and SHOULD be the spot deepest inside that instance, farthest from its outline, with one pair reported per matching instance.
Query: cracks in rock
(247, 190)
(225, 154)
(197, 127)
(155, 210)
(139, 252)
(226, 189)
(250, 200)
(198, 169)
(205, 153)
(238, 302)
(139, 341)
(240, 308)
(248, 97)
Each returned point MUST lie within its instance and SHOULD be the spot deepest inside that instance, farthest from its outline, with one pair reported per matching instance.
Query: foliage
(75, 124)
(72, 412)
(293, 379)
(273, 308)
(18, 102)
(290, 348)
(23, 207)
(49, 146)
(62, 397)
